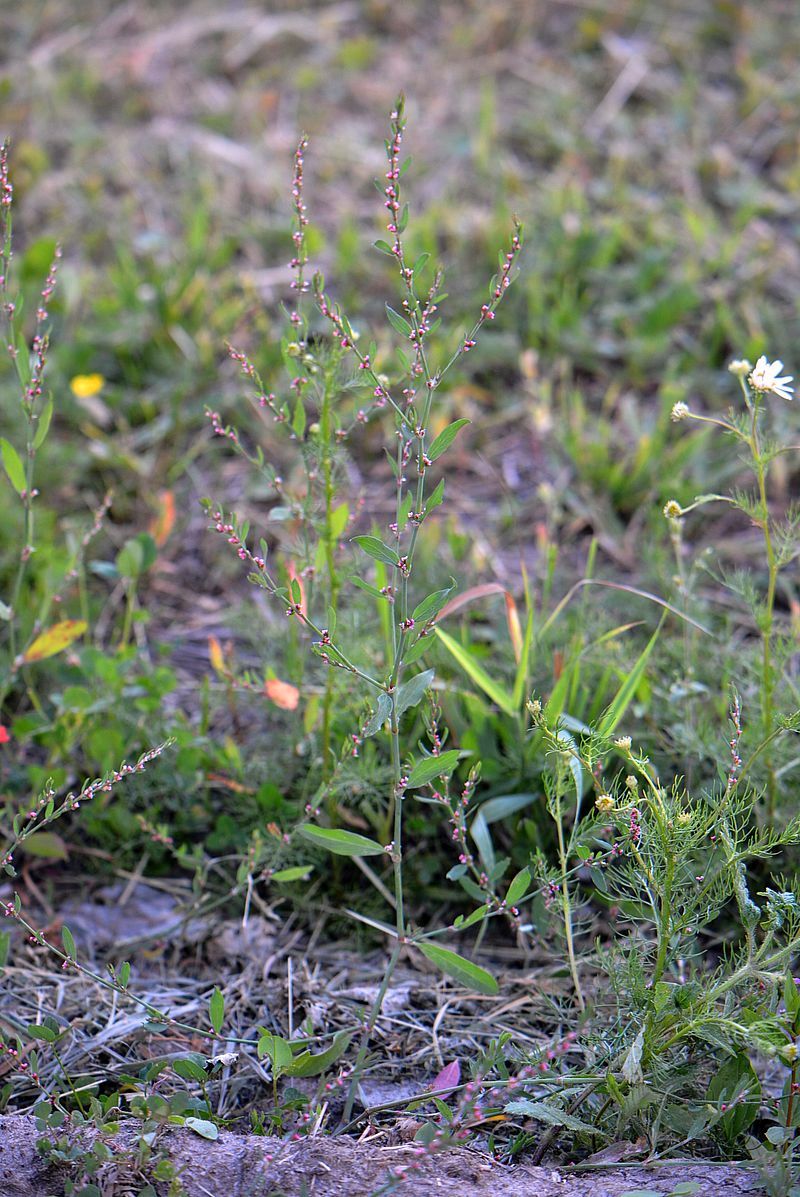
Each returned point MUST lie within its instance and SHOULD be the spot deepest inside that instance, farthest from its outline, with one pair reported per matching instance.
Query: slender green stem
(397, 849)
(665, 916)
(767, 631)
(566, 905)
(369, 1027)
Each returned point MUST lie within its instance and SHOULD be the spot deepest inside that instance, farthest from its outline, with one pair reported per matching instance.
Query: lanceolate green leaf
(216, 1010)
(398, 322)
(524, 661)
(68, 942)
(445, 439)
(342, 843)
(518, 887)
(433, 766)
(307, 1064)
(436, 497)
(478, 674)
(377, 549)
(13, 465)
(293, 873)
(432, 605)
(44, 424)
(460, 969)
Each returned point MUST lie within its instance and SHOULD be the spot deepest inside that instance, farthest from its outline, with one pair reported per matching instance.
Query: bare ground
(257, 1166)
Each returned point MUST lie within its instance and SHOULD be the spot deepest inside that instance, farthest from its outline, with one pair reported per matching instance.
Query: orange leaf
(228, 783)
(216, 656)
(514, 630)
(54, 640)
(283, 694)
(164, 521)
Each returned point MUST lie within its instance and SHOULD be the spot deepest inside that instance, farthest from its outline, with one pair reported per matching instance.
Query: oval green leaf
(202, 1127)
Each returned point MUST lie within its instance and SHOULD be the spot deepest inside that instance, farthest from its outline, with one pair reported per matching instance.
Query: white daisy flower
(764, 378)
(740, 366)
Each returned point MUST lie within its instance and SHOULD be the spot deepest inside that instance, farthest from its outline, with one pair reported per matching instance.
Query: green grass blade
(629, 687)
(478, 674)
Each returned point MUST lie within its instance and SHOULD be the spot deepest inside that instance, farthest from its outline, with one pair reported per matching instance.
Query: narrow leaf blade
(341, 843)
(472, 976)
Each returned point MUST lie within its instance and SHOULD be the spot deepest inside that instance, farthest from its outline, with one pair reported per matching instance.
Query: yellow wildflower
(85, 386)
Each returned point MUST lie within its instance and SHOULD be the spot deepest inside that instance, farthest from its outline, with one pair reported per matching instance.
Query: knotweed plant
(27, 608)
(312, 514)
(411, 403)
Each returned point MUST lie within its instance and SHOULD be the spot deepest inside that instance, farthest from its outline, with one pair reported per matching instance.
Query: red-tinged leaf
(448, 1078)
(54, 640)
(469, 596)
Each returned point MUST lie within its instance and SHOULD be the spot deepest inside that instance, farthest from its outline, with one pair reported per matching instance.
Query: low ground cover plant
(529, 793)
